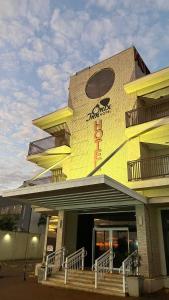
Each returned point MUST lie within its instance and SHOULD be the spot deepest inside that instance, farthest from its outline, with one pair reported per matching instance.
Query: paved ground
(12, 286)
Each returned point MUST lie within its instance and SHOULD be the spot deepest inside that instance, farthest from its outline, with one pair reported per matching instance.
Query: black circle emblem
(100, 83)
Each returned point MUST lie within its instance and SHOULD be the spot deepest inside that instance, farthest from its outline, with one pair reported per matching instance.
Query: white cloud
(106, 4)
(39, 8)
(31, 55)
(53, 82)
(17, 8)
(110, 48)
(9, 61)
(18, 106)
(15, 33)
(41, 48)
(72, 25)
(136, 5)
(48, 72)
(12, 8)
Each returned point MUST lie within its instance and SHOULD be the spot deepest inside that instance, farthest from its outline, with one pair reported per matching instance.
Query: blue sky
(43, 42)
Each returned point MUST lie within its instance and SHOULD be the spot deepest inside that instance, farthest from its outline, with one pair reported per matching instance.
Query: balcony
(148, 168)
(50, 142)
(145, 114)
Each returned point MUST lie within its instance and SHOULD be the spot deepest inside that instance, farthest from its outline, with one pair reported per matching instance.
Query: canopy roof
(57, 117)
(80, 194)
(149, 83)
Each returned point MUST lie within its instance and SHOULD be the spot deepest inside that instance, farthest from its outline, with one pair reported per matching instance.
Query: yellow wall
(81, 161)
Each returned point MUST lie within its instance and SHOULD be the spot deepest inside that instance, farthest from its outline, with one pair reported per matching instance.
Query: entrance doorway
(115, 238)
(100, 231)
(165, 224)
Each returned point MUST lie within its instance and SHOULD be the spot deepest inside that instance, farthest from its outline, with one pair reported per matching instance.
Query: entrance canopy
(89, 193)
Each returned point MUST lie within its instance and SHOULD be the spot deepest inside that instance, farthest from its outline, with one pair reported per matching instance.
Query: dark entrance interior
(84, 236)
(95, 234)
(165, 224)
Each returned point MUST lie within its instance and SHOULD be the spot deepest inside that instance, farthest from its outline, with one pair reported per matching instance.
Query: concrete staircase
(111, 284)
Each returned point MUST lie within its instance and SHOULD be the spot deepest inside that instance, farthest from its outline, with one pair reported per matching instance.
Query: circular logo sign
(100, 83)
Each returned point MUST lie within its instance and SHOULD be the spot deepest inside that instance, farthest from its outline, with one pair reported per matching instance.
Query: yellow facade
(116, 125)
(92, 140)
(113, 123)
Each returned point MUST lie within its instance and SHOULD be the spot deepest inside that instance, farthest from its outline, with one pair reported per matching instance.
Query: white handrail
(103, 264)
(54, 260)
(129, 267)
(75, 261)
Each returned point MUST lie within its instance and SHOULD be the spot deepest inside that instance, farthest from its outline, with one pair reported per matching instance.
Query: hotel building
(108, 155)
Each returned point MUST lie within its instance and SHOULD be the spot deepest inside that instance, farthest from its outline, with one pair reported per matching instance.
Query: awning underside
(83, 194)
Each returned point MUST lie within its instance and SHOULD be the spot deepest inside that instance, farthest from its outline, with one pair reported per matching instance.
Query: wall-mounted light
(34, 239)
(136, 243)
(7, 237)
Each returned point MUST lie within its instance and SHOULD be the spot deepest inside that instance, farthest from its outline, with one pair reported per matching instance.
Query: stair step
(90, 273)
(113, 291)
(70, 274)
(70, 280)
(85, 280)
(116, 274)
(113, 278)
(82, 272)
(110, 284)
(79, 283)
(102, 285)
(106, 282)
(77, 277)
(110, 287)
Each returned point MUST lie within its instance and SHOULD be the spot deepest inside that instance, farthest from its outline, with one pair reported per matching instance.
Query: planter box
(135, 285)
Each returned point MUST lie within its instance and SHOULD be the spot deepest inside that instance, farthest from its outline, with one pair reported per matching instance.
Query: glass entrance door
(102, 242)
(115, 238)
(120, 245)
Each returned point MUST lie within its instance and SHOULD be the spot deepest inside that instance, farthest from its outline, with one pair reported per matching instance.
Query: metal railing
(74, 261)
(103, 264)
(145, 168)
(49, 142)
(130, 266)
(54, 262)
(145, 114)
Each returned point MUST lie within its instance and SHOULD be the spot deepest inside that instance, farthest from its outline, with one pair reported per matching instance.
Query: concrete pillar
(60, 230)
(67, 231)
(148, 240)
(45, 239)
(71, 231)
